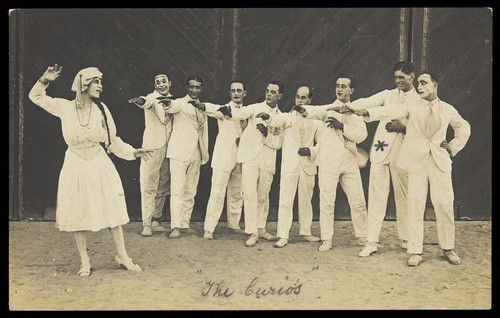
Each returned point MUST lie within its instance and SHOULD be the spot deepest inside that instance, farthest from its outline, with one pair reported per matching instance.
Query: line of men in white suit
(325, 136)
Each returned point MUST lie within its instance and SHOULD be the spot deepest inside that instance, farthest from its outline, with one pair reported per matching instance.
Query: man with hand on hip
(427, 157)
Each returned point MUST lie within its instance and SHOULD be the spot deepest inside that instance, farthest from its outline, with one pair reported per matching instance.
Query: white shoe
(370, 247)
(266, 236)
(281, 243)
(415, 260)
(361, 241)
(146, 231)
(208, 235)
(325, 246)
(176, 233)
(157, 227)
(128, 264)
(252, 240)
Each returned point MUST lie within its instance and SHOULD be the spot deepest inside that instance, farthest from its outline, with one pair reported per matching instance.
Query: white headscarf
(82, 81)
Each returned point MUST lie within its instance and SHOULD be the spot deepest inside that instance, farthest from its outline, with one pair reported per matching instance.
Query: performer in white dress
(90, 194)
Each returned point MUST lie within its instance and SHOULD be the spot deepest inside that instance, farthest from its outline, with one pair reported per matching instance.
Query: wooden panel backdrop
(296, 46)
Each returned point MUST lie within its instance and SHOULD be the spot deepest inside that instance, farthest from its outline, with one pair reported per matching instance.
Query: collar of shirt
(188, 98)
(434, 102)
(234, 105)
(275, 109)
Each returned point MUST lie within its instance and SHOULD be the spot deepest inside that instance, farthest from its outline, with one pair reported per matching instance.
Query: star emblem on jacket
(380, 145)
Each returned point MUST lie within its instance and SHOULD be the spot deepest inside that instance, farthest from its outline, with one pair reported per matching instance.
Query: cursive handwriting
(251, 289)
(218, 289)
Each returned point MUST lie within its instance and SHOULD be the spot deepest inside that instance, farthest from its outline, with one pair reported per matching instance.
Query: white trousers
(155, 186)
(378, 194)
(290, 183)
(441, 187)
(225, 184)
(350, 180)
(184, 182)
(256, 181)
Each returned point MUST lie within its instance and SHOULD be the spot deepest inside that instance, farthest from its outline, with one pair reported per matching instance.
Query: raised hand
(262, 128)
(197, 104)
(137, 100)
(264, 116)
(143, 153)
(51, 73)
(304, 151)
(395, 126)
(333, 122)
(225, 110)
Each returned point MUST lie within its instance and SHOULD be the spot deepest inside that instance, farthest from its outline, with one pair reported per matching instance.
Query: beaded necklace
(78, 115)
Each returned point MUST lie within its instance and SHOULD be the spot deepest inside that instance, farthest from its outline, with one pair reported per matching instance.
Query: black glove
(298, 108)
(395, 126)
(262, 128)
(197, 104)
(332, 122)
(304, 151)
(237, 141)
(264, 116)
(137, 100)
(225, 110)
(165, 101)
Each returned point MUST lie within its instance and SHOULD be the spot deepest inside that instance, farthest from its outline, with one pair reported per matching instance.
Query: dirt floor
(191, 273)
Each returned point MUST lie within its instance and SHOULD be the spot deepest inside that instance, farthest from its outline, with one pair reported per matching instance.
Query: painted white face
(302, 96)
(343, 89)
(273, 95)
(95, 87)
(237, 93)
(403, 81)
(427, 89)
(162, 84)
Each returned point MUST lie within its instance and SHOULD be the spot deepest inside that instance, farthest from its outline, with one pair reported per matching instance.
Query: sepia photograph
(221, 159)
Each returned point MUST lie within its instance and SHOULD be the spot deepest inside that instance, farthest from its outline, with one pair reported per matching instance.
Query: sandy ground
(177, 275)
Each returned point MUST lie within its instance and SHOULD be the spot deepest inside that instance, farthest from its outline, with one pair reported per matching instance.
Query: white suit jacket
(416, 146)
(293, 140)
(190, 129)
(225, 149)
(158, 124)
(252, 142)
(382, 136)
(333, 141)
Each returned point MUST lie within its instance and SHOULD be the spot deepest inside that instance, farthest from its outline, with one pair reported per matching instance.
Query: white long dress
(90, 194)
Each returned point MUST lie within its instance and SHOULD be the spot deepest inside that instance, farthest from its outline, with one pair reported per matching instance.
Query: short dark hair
(352, 83)
(310, 95)
(280, 86)
(162, 73)
(237, 81)
(433, 77)
(194, 78)
(405, 67)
